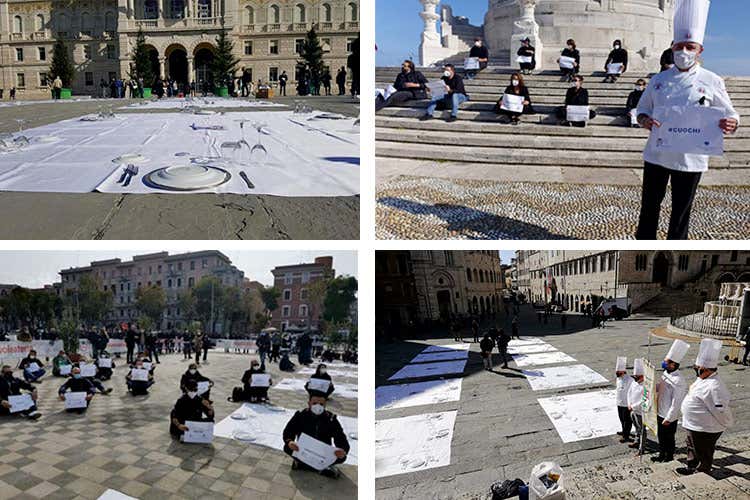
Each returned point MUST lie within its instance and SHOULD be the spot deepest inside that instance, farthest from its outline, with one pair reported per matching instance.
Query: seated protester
(77, 383)
(410, 85)
(328, 356)
(192, 373)
(11, 386)
(571, 51)
(137, 387)
(455, 94)
(516, 87)
(633, 99)
(32, 367)
(189, 407)
(321, 374)
(254, 394)
(349, 357)
(285, 364)
(576, 96)
(480, 52)
(318, 423)
(527, 50)
(104, 372)
(58, 361)
(618, 55)
(96, 382)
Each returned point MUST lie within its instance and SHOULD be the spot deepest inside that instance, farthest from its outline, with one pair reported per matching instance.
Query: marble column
(161, 9)
(191, 69)
(131, 10)
(526, 27)
(430, 47)
(162, 73)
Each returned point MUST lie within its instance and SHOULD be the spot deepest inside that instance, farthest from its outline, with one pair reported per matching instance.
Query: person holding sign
(635, 396)
(687, 110)
(318, 423)
(632, 104)
(481, 54)
(191, 406)
(575, 96)
(515, 101)
(104, 364)
(569, 60)
(671, 390)
(617, 62)
(10, 393)
(706, 413)
(454, 94)
(61, 365)
(253, 392)
(139, 379)
(526, 56)
(320, 382)
(77, 384)
(410, 85)
(32, 368)
(621, 396)
(192, 373)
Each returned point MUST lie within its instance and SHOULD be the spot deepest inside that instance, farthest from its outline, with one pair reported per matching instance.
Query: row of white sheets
(438, 368)
(428, 357)
(341, 390)
(334, 372)
(203, 102)
(264, 425)
(102, 100)
(305, 157)
(582, 416)
(430, 392)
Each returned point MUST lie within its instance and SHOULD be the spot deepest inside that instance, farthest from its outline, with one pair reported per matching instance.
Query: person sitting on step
(410, 84)
(478, 51)
(576, 96)
(618, 55)
(517, 87)
(455, 94)
(572, 52)
(634, 98)
(527, 50)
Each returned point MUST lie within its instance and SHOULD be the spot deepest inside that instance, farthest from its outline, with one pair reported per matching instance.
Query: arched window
(249, 15)
(351, 11)
(150, 9)
(204, 8)
(86, 23)
(468, 274)
(39, 22)
(476, 276)
(299, 13)
(326, 13)
(273, 14)
(110, 24)
(17, 24)
(61, 23)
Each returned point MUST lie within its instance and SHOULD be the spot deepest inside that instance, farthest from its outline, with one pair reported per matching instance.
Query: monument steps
(664, 304)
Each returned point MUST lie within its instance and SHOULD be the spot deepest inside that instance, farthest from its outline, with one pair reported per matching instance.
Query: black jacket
(12, 387)
(526, 52)
(487, 344)
(618, 56)
(667, 58)
(410, 77)
(633, 99)
(192, 409)
(456, 85)
(82, 384)
(189, 376)
(27, 361)
(246, 378)
(577, 97)
(574, 54)
(324, 427)
(480, 52)
(523, 91)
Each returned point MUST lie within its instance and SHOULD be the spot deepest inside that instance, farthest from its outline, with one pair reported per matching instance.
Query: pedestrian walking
(486, 346)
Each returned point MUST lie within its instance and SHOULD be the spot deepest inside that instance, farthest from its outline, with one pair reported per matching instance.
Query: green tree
(151, 302)
(90, 302)
(62, 65)
(312, 55)
(341, 293)
(208, 289)
(270, 297)
(70, 335)
(225, 63)
(186, 302)
(141, 67)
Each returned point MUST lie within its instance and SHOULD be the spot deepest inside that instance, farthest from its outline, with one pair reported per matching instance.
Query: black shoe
(295, 464)
(685, 471)
(657, 459)
(331, 472)
(34, 415)
(425, 118)
(515, 122)
(451, 119)
(619, 433)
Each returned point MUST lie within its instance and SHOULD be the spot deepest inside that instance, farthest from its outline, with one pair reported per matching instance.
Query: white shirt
(677, 88)
(623, 386)
(706, 406)
(635, 397)
(671, 391)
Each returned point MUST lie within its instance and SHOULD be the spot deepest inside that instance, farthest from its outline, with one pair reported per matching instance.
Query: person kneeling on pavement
(320, 374)
(11, 386)
(192, 373)
(410, 85)
(61, 359)
(77, 383)
(138, 387)
(192, 407)
(254, 394)
(320, 424)
(455, 94)
(32, 367)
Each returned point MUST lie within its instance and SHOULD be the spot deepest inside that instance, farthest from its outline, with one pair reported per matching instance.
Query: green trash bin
(66, 93)
(146, 93)
(222, 92)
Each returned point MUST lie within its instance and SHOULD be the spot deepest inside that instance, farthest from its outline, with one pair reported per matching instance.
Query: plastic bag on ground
(546, 482)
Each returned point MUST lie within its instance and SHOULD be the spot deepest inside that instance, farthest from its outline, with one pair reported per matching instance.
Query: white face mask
(477, 44)
(685, 59)
(192, 394)
(192, 372)
(322, 371)
(317, 409)
(447, 73)
(515, 83)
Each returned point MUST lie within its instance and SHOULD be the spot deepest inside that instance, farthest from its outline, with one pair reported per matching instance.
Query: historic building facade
(180, 33)
(299, 305)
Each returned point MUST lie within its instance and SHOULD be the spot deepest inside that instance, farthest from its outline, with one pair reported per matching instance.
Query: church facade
(181, 35)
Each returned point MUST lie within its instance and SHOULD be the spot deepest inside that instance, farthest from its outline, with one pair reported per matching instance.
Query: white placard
(471, 63)
(318, 384)
(512, 103)
(633, 113)
(147, 365)
(105, 362)
(448, 347)
(615, 68)
(437, 89)
(389, 91)
(530, 348)
(567, 62)
(20, 403)
(32, 367)
(65, 369)
(140, 375)
(203, 387)
(688, 130)
(314, 453)
(577, 113)
(87, 369)
(524, 59)
(541, 358)
(260, 380)
(198, 432)
(75, 400)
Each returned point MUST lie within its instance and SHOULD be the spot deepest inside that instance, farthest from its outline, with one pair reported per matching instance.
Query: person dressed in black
(475, 329)
(12, 386)
(502, 347)
(575, 96)
(479, 51)
(254, 394)
(747, 347)
(321, 373)
(130, 342)
(352, 62)
(151, 340)
(139, 387)
(517, 87)
(634, 98)
(190, 407)
(571, 51)
(455, 94)
(32, 367)
(104, 372)
(667, 59)
(318, 423)
(282, 83)
(246, 79)
(285, 364)
(527, 50)
(341, 80)
(326, 81)
(77, 383)
(410, 85)
(187, 343)
(618, 55)
(192, 373)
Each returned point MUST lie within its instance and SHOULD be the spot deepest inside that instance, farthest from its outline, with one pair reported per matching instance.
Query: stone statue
(526, 27)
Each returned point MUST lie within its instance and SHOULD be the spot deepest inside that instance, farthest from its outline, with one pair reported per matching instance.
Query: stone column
(744, 320)
(430, 48)
(191, 70)
(526, 27)
(161, 9)
(162, 73)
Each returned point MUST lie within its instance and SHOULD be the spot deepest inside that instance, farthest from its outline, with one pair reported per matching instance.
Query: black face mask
(8, 374)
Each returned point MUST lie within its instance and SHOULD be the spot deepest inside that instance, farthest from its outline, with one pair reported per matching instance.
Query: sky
(398, 28)
(35, 269)
(506, 255)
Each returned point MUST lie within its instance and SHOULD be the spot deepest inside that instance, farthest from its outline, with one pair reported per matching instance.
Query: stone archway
(661, 269)
(204, 58)
(177, 64)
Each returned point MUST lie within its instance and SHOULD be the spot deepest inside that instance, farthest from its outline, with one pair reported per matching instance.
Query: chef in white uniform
(670, 390)
(621, 395)
(705, 410)
(687, 83)
(635, 398)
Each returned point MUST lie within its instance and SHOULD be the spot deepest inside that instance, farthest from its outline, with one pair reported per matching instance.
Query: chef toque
(638, 366)
(677, 351)
(690, 17)
(708, 355)
(622, 361)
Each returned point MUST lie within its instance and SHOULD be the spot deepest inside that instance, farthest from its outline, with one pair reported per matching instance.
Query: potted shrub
(62, 67)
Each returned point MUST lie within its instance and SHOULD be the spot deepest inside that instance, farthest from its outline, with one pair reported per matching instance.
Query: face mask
(32, 356)
(477, 44)
(570, 47)
(447, 74)
(515, 83)
(317, 409)
(255, 367)
(697, 371)
(685, 59)
(322, 371)
(638, 87)
(76, 375)
(192, 394)
(664, 365)
(617, 46)
(192, 372)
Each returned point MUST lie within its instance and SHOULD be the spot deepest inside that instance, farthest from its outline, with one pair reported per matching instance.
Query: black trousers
(398, 97)
(684, 186)
(700, 449)
(666, 434)
(747, 351)
(130, 357)
(626, 421)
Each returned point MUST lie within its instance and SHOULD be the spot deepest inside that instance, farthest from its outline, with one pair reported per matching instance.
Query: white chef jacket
(677, 88)
(706, 406)
(623, 386)
(635, 397)
(670, 391)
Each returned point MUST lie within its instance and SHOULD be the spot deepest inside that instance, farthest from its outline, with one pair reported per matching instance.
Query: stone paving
(411, 207)
(199, 216)
(123, 442)
(501, 431)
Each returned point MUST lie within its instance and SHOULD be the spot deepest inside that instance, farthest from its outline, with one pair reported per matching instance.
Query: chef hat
(621, 362)
(638, 366)
(677, 351)
(690, 17)
(708, 355)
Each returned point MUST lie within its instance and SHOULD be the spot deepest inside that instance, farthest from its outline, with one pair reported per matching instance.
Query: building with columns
(180, 33)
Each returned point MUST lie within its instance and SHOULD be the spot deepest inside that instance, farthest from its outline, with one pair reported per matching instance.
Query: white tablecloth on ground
(332, 372)
(318, 158)
(430, 392)
(203, 102)
(428, 357)
(430, 369)
(530, 348)
(556, 377)
(526, 341)
(341, 390)
(266, 424)
(582, 416)
(542, 358)
(111, 494)
(448, 347)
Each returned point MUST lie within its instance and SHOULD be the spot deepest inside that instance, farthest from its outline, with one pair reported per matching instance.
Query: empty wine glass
(20, 122)
(231, 148)
(258, 153)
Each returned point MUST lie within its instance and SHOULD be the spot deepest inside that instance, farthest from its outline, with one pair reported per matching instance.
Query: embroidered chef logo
(684, 130)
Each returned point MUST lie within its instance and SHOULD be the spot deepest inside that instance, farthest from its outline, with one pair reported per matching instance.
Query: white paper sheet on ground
(263, 425)
(55, 101)
(526, 341)
(198, 432)
(448, 347)
(688, 129)
(341, 390)
(316, 158)
(582, 416)
(413, 443)
(74, 400)
(577, 113)
(556, 377)
(333, 373)
(201, 102)
(541, 358)
(342, 365)
(428, 357)
(430, 369)
(388, 397)
(20, 403)
(531, 348)
(115, 495)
